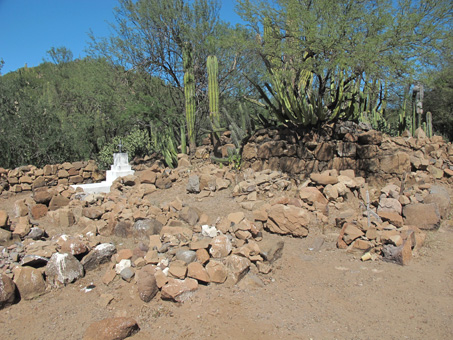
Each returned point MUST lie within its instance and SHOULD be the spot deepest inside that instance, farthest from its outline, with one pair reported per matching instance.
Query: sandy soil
(325, 294)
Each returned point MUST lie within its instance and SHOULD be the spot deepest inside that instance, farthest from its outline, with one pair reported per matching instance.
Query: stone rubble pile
(179, 247)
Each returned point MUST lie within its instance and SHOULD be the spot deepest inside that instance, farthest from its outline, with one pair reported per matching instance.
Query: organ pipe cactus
(213, 92)
(429, 124)
(189, 93)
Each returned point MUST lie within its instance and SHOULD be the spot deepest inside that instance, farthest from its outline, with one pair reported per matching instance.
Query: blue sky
(29, 28)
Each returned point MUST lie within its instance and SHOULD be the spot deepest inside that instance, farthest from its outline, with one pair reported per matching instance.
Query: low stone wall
(347, 146)
(29, 177)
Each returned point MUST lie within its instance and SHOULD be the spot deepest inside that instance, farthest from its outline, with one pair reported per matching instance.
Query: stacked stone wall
(368, 152)
(29, 177)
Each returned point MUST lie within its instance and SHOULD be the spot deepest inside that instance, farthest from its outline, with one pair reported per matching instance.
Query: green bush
(136, 143)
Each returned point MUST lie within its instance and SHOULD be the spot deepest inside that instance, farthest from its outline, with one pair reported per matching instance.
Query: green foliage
(69, 111)
(439, 99)
(136, 143)
(317, 53)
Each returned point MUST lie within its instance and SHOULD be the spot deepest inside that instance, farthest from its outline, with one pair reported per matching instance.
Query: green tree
(323, 58)
(60, 55)
(439, 101)
(150, 37)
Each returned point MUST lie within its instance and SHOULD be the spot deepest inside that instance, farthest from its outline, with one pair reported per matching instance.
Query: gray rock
(5, 237)
(193, 186)
(187, 256)
(144, 228)
(439, 196)
(189, 215)
(271, 248)
(100, 254)
(127, 274)
(14, 256)
(35, 233)
(63, 269)
(123, 229)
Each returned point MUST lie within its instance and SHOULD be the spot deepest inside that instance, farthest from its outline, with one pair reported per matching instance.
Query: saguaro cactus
(189, 93)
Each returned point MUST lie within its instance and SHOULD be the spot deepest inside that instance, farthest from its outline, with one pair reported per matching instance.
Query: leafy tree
(60, 55)
(439, 101)
(150, 36)
(324, 58)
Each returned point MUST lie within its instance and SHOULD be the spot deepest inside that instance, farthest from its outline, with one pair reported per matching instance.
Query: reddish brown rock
(4, 219)
(22, 227)
(323, 179)
(202, 256)
(111, 329)
(423, 216)
(29, 282)
(290, 220)
(37, 211)
(196, 271)
(392, 217)
(72, 246)
(57, 202)
(312, 195)
(147, 177)
(42, 196)
(179, 290)
(7, 291)
(93, 213)
(220, 246)
(236, 217)
(146, 283)
(238, 267)
(178, 269)
(351, 232)
(217, 271)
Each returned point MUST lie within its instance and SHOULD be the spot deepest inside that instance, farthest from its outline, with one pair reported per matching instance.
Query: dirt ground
(325, 294)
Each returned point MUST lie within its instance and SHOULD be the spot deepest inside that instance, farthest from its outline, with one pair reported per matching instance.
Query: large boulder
(288, 220)
(29, 282)
(146, 283)
(422, 215)
(439, 196)
(179, 290)
(100, 254)
(111, 329)
(7, 291)
(63, 268)
(146, 227)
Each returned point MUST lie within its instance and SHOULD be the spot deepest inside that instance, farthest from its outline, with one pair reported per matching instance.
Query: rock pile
(29, 177)
(178, 249)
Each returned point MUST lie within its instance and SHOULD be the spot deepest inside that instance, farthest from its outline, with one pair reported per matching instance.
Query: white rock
(209, 231)
(122, 265)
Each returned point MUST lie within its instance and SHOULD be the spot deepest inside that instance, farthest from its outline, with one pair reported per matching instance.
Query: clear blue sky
(29, 28)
